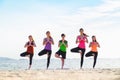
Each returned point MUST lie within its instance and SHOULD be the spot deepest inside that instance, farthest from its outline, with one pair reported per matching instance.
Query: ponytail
(85, 35)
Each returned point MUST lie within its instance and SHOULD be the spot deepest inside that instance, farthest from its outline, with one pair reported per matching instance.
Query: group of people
(63, 44)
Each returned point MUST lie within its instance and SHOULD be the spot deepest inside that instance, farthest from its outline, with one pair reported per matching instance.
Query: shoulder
(33, 42)
(97, 43)
(85, 36)
(45, 39)
(91, 43)
(60, 40)
(27, 41)
(65, 41)
(78, 36)
(51, 38)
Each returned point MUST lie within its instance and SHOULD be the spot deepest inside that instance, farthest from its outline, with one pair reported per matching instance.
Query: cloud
(102, 20)
(106, 13)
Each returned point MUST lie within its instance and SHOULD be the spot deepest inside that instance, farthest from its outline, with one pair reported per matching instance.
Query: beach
(66, 74)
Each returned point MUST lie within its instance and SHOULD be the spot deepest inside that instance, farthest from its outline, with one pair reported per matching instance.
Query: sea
(74, 63)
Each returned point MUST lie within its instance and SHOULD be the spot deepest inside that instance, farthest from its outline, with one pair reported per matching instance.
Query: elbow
(87, 41)
(76, 42)
(53, 43)
(43, 43)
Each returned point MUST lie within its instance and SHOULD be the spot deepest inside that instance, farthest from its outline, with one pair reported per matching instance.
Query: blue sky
(20, 18)
(35, 5)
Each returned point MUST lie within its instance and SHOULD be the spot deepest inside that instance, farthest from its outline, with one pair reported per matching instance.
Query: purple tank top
(48, 45)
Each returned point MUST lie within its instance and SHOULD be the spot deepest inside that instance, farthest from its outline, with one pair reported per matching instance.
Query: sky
(21, 18)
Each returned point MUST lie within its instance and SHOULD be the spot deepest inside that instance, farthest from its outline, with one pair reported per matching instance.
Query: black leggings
(77, 50)
(49, 52)
(95, 54)
(30, 58)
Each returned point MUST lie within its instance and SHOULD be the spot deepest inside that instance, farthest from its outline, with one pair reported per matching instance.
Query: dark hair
(81, 29)
(30, 36)
(83, 33)
(47, 32)
(95, 39)
(62, 35)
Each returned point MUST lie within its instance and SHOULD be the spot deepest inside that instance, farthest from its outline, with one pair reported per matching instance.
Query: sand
(83, 74)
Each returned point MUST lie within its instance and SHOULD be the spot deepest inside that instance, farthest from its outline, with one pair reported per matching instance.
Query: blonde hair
(31, 37)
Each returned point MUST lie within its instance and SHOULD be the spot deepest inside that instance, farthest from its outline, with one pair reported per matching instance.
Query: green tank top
(62, 46)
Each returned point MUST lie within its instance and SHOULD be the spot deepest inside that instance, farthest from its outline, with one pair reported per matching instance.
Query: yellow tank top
(94, 46)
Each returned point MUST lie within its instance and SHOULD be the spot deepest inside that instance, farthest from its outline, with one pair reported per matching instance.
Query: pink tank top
(81, 41)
